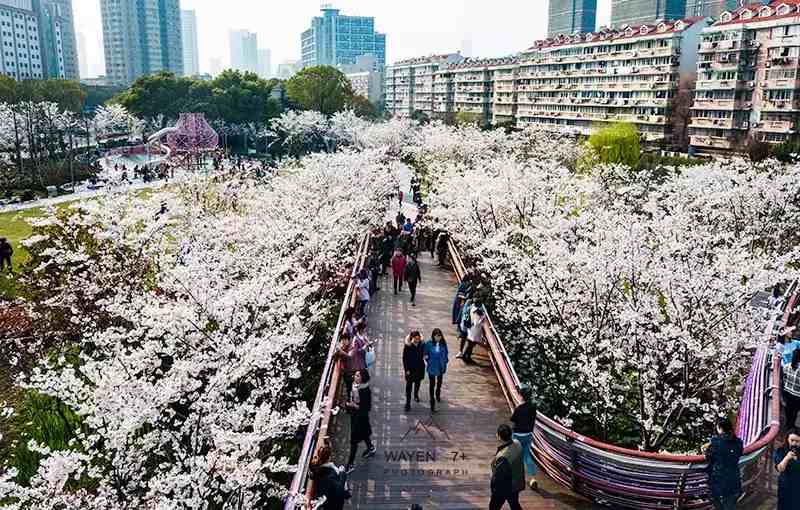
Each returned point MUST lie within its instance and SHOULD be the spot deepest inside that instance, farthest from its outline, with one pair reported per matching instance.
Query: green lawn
(15, 228)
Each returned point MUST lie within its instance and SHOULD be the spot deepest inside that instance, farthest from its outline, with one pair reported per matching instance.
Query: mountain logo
(427, 427)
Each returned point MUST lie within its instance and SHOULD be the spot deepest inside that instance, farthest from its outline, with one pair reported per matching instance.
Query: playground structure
(188, 143)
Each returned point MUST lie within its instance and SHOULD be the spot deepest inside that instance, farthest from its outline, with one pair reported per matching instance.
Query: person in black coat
(387, 249)
(722, 454)
(6, 251)
(413, 365)
(413, 276)
(787, 463)
(359, 407)
(330, 481)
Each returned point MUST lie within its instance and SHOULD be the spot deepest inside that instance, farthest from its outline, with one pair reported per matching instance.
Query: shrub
(653, 161)
(787, 152)
(617, 144)
(757, 150)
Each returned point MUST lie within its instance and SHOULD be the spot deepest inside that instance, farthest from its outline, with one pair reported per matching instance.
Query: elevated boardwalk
(441, 461)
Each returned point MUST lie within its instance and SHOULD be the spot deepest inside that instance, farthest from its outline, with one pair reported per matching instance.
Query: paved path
(441, 461)
(81, 195)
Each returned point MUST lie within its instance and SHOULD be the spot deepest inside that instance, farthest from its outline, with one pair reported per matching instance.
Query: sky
(413, 27)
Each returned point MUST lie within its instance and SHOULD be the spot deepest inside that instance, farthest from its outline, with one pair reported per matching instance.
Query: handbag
(369, 357)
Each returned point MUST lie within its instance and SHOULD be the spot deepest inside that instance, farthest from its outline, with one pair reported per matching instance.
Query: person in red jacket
(398, 269)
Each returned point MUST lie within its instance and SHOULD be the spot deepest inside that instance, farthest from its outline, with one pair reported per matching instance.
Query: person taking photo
(788, 467)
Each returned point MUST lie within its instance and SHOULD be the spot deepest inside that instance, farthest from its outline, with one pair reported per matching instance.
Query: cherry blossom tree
(115, 119)
(183, 322)
(624, 298)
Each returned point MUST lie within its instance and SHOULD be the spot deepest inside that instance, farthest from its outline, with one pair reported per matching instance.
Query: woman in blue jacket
(436, 358)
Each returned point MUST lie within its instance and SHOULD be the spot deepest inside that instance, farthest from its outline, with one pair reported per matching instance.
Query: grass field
(15, 228)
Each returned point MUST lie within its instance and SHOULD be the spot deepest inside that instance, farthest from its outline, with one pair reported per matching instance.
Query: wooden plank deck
(441, 461)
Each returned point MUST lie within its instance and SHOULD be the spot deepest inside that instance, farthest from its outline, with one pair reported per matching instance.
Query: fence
(317, 432)
(634, 479)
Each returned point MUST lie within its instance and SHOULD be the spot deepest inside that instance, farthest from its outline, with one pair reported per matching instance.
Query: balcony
(776, 126)
(720, 104)
(717, 84)
(785, 40)
(780, 106)
(785, 83)
(704, 122)
(716, 142)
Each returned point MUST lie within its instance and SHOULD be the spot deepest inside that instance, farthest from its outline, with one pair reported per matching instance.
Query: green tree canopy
(617, 144)
(362, 107)
(67, 94)
(233, 97)
(321, 88)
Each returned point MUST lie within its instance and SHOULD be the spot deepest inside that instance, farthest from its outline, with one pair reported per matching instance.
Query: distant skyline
(493, 29)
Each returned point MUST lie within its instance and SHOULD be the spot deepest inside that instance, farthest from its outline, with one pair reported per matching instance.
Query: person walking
(508, 471)
(387, 247)
(436, 358)
(408, 226)
(413, 365)
(787, 462)
(329, 480)
(413, 276)
(524, 420)
(722, 455)
(398, 269)
(374, 267)
(359, 406)
(441, 247)
(791, 388)
(6, 251)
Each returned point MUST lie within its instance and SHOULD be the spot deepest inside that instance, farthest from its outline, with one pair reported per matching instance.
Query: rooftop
(623, 32)
(756, 12)
(444, 57)
(483, 62)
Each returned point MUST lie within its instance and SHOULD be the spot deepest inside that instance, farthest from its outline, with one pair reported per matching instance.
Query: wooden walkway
(441, 461)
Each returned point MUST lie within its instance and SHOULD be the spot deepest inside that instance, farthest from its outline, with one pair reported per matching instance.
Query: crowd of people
(395, 249)
(724, 450)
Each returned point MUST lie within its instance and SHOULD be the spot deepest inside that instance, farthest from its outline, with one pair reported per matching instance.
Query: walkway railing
(317, 432)
(642, 480)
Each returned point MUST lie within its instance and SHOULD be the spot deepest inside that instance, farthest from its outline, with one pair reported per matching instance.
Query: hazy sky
(413, 27)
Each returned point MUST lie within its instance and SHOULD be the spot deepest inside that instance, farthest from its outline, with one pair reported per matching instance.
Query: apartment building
(572, 83)
(366, 78)
(38, 39)
(468, 87)
(747, 81)
(409, 84)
